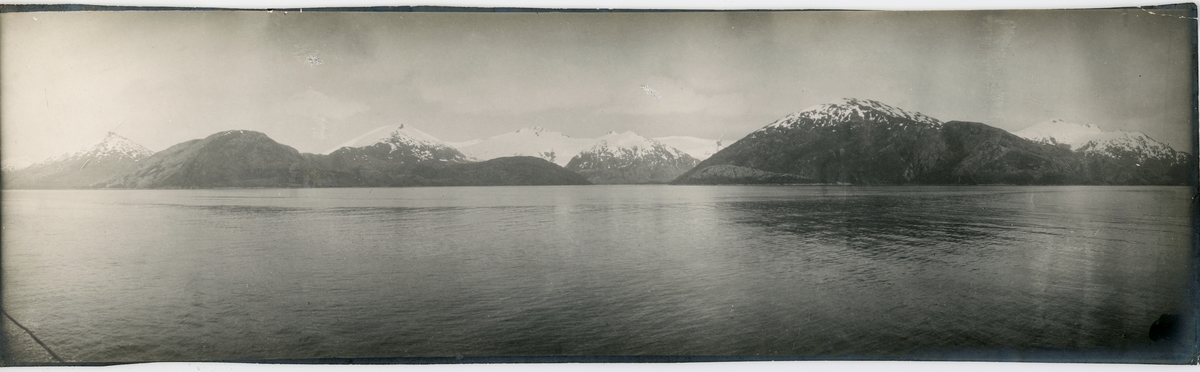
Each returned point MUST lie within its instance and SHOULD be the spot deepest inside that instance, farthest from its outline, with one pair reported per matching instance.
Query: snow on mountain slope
(464, 143)
(699, 148)
(632, 142)
(630, 158)
(1060, 132)
(1114, 143)
(1089, 138)
(533, 141)
(851, 109)
(404, 142)
(851, 140)
(553, 146)
(111, 156)
(404, 134)
(111, 146)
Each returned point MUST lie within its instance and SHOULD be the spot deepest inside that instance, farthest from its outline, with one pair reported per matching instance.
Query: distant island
(853, 141)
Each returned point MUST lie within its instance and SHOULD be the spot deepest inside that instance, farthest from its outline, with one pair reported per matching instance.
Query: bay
(986, 272)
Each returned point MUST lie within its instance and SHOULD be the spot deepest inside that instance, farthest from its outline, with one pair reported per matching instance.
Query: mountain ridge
(624, 158)
(867, 142)
(850, 141)
(243, 158)
(536, 141)
(404, 142)
(87, 167)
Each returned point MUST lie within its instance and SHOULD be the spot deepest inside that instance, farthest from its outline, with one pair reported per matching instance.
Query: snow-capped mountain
(111, 146)
(560, 148)
(847, 141)
(87, 167)
(533, 141)
(851, 110)
(1057, 131)
(244, 158)
(866, 142)
(860, 141)
(630, 158)
(538, 142)
(1122, 143)
(699, 148)
(402, 142)
(232, 158)
(1090, 139)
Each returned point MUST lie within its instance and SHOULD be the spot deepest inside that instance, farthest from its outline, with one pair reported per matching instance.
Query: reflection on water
(824, 272)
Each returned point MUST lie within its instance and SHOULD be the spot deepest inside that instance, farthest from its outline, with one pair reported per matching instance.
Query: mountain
(612, 158)
(90, 166)
(242, 158)
(560, 148)
(977, 153)
(533, 141)
(404, 143)
(1115, 157)
(867, 142)
(235, 158)
(699, 148)
(629, 158)
(1090, 138)
(851, 141)
(513, 171)
(1056, 132)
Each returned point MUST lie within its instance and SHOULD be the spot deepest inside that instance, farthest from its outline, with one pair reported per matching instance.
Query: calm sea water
(827, 272)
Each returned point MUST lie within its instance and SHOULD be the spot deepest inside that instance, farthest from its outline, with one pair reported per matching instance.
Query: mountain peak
(1089, 138)
(238, 132)
(393, 135)
(112, 145)
(402, 141)
(699, 148)
(627, 157)
(852, 109)
(533, 129)
(408, 134)
(111, 155)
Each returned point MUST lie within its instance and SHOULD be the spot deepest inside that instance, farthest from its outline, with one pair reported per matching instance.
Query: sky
(313, 80)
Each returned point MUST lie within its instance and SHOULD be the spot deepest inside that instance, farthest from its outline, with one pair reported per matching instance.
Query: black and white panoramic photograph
(429, 185)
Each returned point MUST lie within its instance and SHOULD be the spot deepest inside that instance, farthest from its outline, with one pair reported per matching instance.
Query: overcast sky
(313, 80)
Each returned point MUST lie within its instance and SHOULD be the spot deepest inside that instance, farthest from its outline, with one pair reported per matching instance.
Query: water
(827, 272)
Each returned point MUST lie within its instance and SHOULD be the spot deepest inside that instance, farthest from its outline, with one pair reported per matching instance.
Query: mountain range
(625, 158)
(851, 141)
(555, 147)
(403, 142)
(243, 158)
(856, 141)
(1090, 139)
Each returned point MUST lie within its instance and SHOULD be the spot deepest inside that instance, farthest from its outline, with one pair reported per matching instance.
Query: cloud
(676, 98)
(316, 104)
(513, 84)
